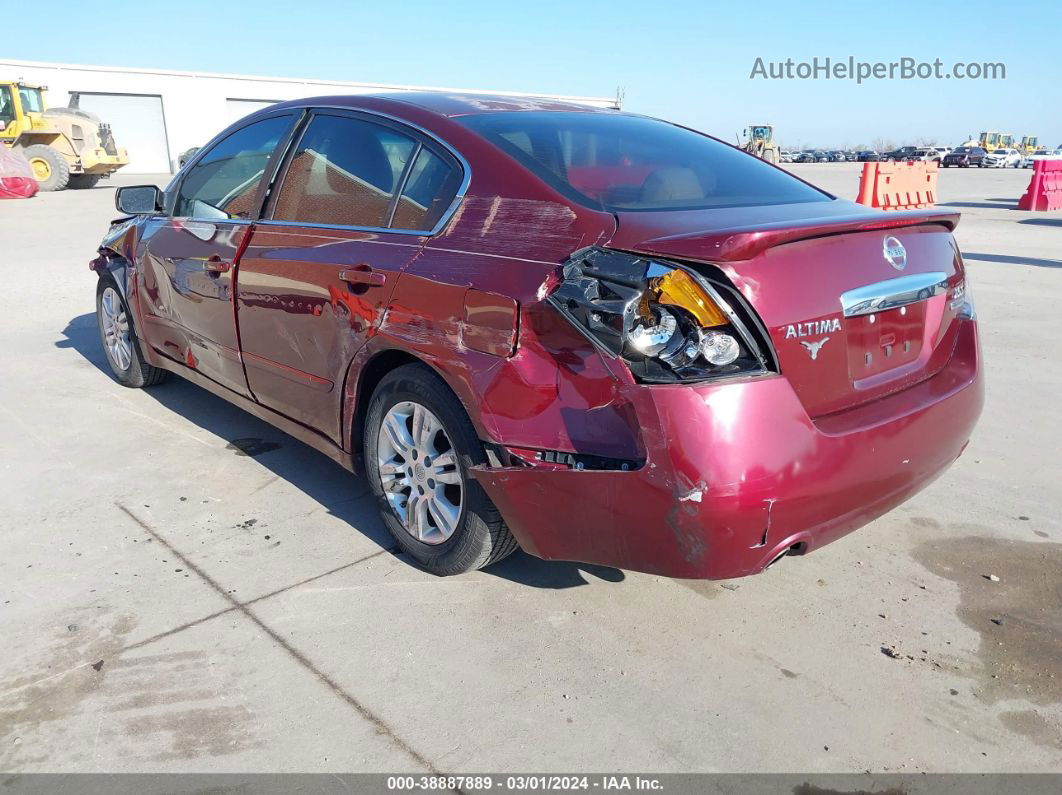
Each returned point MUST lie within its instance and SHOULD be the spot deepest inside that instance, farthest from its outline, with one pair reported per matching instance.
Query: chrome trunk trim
(893, 293)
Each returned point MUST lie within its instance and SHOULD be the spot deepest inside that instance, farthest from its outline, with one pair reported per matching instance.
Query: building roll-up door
(138, 125)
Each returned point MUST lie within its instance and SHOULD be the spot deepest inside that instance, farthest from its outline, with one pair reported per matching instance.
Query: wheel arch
(366, 371)
(116, 267)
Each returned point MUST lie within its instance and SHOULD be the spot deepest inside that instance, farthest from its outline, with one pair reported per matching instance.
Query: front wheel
(418, 447)
(119, 340)
(49, 167)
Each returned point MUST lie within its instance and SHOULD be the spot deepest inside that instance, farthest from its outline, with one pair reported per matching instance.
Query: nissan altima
(593, 335)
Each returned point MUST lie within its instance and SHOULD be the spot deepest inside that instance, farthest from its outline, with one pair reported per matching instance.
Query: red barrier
(898, 186)
(1045, 187)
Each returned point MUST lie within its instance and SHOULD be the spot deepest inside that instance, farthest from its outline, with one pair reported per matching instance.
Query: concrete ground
(184, 588)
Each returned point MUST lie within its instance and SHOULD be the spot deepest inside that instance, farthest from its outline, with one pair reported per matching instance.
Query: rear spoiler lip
(742, 243)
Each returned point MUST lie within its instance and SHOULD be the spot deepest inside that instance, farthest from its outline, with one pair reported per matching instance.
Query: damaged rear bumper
(737, 474)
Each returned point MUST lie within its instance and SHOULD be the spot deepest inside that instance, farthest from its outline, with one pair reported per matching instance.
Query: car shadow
(1011, 260)
(1042, 221)
(343, 495)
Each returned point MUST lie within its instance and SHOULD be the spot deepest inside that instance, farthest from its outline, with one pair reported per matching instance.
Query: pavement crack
(363, 711)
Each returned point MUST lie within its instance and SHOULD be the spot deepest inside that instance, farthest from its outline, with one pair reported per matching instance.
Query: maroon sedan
(594, 335)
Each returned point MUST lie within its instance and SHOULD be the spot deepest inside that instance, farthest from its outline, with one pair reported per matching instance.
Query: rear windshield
(617, 162)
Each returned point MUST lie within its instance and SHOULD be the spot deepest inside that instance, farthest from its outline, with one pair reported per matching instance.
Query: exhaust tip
(796, 549)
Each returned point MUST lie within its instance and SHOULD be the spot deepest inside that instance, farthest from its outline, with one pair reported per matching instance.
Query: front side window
(344, 172)
(224, 183)
(618, 162)
(7, 105)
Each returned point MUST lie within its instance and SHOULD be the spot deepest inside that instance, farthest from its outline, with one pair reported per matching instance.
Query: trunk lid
(858, 304)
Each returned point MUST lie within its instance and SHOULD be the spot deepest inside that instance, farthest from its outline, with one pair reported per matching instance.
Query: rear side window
(344, 172)
(617, 162)
(224, 182)
(428, 192)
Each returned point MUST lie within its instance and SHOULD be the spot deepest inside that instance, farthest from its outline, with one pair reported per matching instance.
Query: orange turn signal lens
(678, 288)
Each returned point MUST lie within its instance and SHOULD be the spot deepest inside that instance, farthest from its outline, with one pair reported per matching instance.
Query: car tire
(428, 531)
(50, 168)
(119, 340)
(84, 181)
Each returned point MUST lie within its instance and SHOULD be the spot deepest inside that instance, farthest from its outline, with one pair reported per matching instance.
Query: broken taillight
(667, 321)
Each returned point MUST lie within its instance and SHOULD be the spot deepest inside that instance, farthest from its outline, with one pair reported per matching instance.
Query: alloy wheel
(419, 472)
(115, 325)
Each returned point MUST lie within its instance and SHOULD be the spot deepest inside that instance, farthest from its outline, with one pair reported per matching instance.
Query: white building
(157, 113)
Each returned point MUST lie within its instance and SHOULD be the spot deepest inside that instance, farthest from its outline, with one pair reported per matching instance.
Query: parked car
(903, 153)
(964, 157)
(851, 157)
(943, 150)
(868, 156)
(928, 154)
(1040, 154)
(1003, 158)
(836, 156)
(820, 156)
(186, 155)
(604, 352)
(786, 156)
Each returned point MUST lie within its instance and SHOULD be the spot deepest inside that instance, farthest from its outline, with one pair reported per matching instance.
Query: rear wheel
(418, 448)
(49, 167)
(82, 181)
(119, 339)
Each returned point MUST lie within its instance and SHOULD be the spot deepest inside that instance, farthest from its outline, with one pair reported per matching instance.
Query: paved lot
(168, 602)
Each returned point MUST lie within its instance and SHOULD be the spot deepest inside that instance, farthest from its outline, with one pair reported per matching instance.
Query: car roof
(448, 104)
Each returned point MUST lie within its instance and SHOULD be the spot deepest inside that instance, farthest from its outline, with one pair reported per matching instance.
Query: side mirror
(138, 199)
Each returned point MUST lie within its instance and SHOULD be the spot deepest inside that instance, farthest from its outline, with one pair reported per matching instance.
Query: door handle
(216, 264)
(362, 274)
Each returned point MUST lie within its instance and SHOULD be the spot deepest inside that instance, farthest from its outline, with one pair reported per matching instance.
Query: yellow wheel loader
(65, 147)
(759, 141)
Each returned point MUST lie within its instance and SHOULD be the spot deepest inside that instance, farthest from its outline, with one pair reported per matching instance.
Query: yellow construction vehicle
(995, 140)
(759, 141)
(65, 147)
(1029, 144)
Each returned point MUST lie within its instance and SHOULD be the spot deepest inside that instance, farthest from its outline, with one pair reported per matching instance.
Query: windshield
(960, 149)
(619, 162)
(1000, 152)
(31, 99)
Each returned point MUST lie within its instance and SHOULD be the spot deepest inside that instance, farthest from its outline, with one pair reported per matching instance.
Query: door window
(344, 172)
(224, 183)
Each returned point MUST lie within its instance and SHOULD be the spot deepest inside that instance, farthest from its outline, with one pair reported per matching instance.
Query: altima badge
(815, 347)
(895, 253)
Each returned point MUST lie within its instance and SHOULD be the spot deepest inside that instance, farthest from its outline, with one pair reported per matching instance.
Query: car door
(187, 258)
(357, 197)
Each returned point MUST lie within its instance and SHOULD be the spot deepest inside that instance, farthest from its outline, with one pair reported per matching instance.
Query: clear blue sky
(679, 59)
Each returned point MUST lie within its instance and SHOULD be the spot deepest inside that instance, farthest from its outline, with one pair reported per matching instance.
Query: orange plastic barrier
(1045, 187)
(898, 186)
